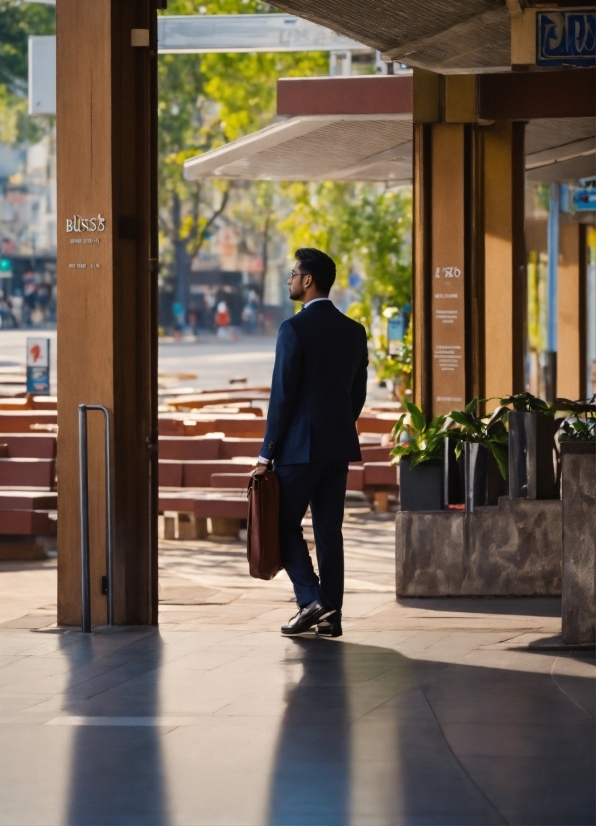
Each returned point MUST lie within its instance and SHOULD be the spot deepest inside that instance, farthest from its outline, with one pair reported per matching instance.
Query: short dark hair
(319, 265)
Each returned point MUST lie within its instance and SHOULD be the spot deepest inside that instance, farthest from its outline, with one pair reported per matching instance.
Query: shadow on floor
(453, 745)
(117, 769)
(503, 606)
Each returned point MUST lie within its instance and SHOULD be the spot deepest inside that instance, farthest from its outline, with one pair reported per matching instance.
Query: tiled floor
(425, 712)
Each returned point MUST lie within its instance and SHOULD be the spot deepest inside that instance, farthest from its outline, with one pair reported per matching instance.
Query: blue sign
(584, 196)
(395, 327)
(566, 38)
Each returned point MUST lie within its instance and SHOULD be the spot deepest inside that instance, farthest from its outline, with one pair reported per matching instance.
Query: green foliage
(578, 430)
(489, 431)
(424, 441)
(12, 110)
(581, 427)
(527, 403)
(17, 21)
(364, 227)
(206, 101)
(396, 369)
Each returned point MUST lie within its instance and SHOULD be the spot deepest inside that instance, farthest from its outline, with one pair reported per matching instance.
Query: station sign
(566, 38)
(38, 366)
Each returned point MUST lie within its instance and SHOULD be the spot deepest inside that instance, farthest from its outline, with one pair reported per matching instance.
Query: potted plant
(580, 427)
(482, 440)
(419, 451)
(532, 451)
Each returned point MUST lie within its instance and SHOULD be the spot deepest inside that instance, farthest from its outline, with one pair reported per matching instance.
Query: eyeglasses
(293, 275)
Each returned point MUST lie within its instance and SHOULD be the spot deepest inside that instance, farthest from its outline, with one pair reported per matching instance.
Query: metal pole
(109, 554)
(83, 469)
(84, 494)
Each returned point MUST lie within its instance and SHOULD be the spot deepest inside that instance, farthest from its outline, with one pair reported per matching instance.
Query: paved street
(214, 362)
(426, 712)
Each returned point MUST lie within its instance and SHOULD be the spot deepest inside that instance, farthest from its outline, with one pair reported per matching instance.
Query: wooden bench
(31, 473)
(197, 401)
(240, 480)
(26, 519)
(27, 523)
(187, 514)
(380, 480)
(242, 425)
(376, 423)
(39, 500)
(22, 421)
(29, 445)
(232, 446)
(375, 453)
(210, 447)
(170, 473)
(198, 474)
(185, 448)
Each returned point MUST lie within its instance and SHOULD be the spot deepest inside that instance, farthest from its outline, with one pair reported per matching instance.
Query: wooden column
(504, 258)
(469, 257)
(448, 244)
(421, 286)
(571, 301)
(107, 256)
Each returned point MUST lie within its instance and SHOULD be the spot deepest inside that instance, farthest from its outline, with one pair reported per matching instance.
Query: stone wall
(578, 487)
(512, 549)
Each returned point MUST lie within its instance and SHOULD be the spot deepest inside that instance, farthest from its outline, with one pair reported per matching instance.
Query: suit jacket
(318, 388)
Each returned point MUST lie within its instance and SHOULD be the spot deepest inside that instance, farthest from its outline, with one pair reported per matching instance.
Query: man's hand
(261, 468)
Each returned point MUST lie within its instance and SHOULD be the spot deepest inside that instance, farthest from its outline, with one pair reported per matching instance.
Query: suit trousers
(323, 486)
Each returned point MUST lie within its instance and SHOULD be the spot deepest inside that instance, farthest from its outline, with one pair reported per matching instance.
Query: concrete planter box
(420, 487)
(578, 490)
(513, 549)
(531, 460)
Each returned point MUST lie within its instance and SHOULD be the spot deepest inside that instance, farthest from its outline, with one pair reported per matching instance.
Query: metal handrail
(84, 494)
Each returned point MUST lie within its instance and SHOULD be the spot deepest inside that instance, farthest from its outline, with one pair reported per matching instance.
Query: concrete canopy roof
(315, 148)
(344, 128)
(360, 129)
(442, 35)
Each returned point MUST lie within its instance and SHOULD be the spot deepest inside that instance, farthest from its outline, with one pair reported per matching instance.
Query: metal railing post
(84, 498)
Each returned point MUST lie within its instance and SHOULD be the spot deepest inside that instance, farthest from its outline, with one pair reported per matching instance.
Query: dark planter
(453, 475)
(497, 486)
(454, 478)
(421, 487)
(476, 475)
(532, 473)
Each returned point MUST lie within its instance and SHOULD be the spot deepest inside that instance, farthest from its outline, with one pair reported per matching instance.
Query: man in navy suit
(317, 393)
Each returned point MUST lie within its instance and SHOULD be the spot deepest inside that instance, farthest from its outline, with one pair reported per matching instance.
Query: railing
(84, 492)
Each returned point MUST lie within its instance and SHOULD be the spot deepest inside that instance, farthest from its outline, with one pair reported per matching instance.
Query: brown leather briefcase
(264, 560)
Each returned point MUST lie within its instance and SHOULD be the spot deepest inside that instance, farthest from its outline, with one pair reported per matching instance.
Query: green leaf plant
(527, 403)
(488, 431)
(581, 425)
(416, 439)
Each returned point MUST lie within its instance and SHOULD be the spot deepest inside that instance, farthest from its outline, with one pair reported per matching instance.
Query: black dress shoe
(330, 626)
(306, 618)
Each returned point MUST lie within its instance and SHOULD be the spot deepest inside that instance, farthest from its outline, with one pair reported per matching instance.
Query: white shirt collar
(312, 301)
